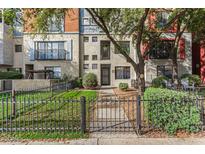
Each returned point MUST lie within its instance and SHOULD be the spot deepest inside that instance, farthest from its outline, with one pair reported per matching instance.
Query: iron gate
(112, 114)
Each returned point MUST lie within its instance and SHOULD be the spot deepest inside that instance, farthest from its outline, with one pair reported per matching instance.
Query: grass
(77, 94)
(39, 135)
(59, 113)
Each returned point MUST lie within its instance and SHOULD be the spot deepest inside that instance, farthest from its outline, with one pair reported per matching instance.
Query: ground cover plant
(171, 110)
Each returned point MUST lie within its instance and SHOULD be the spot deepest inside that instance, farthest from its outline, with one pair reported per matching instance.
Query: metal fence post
(83, 114)
(13, 102)
(138, 118)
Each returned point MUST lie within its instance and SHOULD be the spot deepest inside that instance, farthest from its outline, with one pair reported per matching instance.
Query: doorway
(105, 74)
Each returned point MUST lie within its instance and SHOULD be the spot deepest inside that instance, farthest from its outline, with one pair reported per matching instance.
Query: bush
(170, 110)
(159, 82)
(89, 80)
(79, 82)
(11, 75)
(123, 86)
(192, 78)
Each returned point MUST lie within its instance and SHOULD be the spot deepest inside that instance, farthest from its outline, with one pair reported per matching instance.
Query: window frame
(94, 58)
(18, 45)
(51, 25)
(52, 68)
(156, 52)
(101, 50)
(94, 68)
(43, 49)
(85, 68)
(85, 57)
(165, 69)
(86, 37)
(116, 50)
(124, 77)
(96, 39)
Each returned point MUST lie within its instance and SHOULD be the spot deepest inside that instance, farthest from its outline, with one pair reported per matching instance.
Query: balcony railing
(53, 54)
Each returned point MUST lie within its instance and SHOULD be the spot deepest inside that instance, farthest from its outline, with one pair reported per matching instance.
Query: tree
(134, 23)
(120, 23)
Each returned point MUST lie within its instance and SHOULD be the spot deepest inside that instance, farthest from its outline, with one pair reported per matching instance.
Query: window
(50, 51)
(122, 72)
(86, 39)
(125, 45)
(94, 39)
(92, 22)
(56, 71)
(18, 48)
(94, 66)
(86, 21)
(94, 57)
(165, 70)
(85, 66)
(86, 57)
(161, 49)
(162, 18)
(55, 24)
(105, 50)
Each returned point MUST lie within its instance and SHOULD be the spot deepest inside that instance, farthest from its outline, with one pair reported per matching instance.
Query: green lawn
(78, 93)
(59, 112)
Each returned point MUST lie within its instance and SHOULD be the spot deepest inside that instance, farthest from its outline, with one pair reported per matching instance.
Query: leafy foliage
(158, 82)
(11, 75)
(123, 86)
(171, 110)
(192, 78)
(90, 80)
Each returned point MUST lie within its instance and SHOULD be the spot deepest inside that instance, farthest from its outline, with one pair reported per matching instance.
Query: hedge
(158, 82)
(171, 110)
(192, 78)
(10, 75)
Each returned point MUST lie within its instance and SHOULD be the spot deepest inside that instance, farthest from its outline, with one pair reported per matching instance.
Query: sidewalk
(117, 141)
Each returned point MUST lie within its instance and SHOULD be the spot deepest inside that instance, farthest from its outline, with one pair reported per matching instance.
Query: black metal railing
(34, 112)
(53, 54)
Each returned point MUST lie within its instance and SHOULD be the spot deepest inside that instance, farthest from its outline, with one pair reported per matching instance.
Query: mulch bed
(180, 134)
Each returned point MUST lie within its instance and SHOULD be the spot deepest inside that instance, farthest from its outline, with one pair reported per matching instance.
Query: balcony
(52, 55)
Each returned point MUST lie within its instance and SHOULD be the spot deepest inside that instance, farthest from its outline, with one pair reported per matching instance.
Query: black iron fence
(108, 114)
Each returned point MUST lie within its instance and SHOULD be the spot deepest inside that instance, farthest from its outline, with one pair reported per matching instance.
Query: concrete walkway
(109, 115)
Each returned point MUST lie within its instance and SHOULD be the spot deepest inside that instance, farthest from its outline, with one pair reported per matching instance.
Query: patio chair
(186, 86)
(168, 84)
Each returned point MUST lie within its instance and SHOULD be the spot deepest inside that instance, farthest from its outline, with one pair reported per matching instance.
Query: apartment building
(81, 47)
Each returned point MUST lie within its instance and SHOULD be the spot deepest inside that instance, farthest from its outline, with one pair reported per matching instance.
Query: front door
(105, 74)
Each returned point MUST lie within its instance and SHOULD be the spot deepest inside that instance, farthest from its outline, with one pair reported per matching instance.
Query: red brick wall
(72, 20)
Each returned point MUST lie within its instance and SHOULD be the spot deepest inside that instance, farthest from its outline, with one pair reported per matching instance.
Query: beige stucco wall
(67, 67)
(93, 48)
(6, 45)
(184, 66)
(18, 56)
(1, 44)
(25, 84)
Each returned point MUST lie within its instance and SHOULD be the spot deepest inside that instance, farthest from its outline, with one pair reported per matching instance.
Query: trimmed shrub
(123, 86)
(11, 75)
(90, 80)
(171, 110)
(192, 78)
(79, 82)
(159, 82)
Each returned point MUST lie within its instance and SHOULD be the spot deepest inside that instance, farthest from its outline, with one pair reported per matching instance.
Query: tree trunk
(174, 63)
(140, 77)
